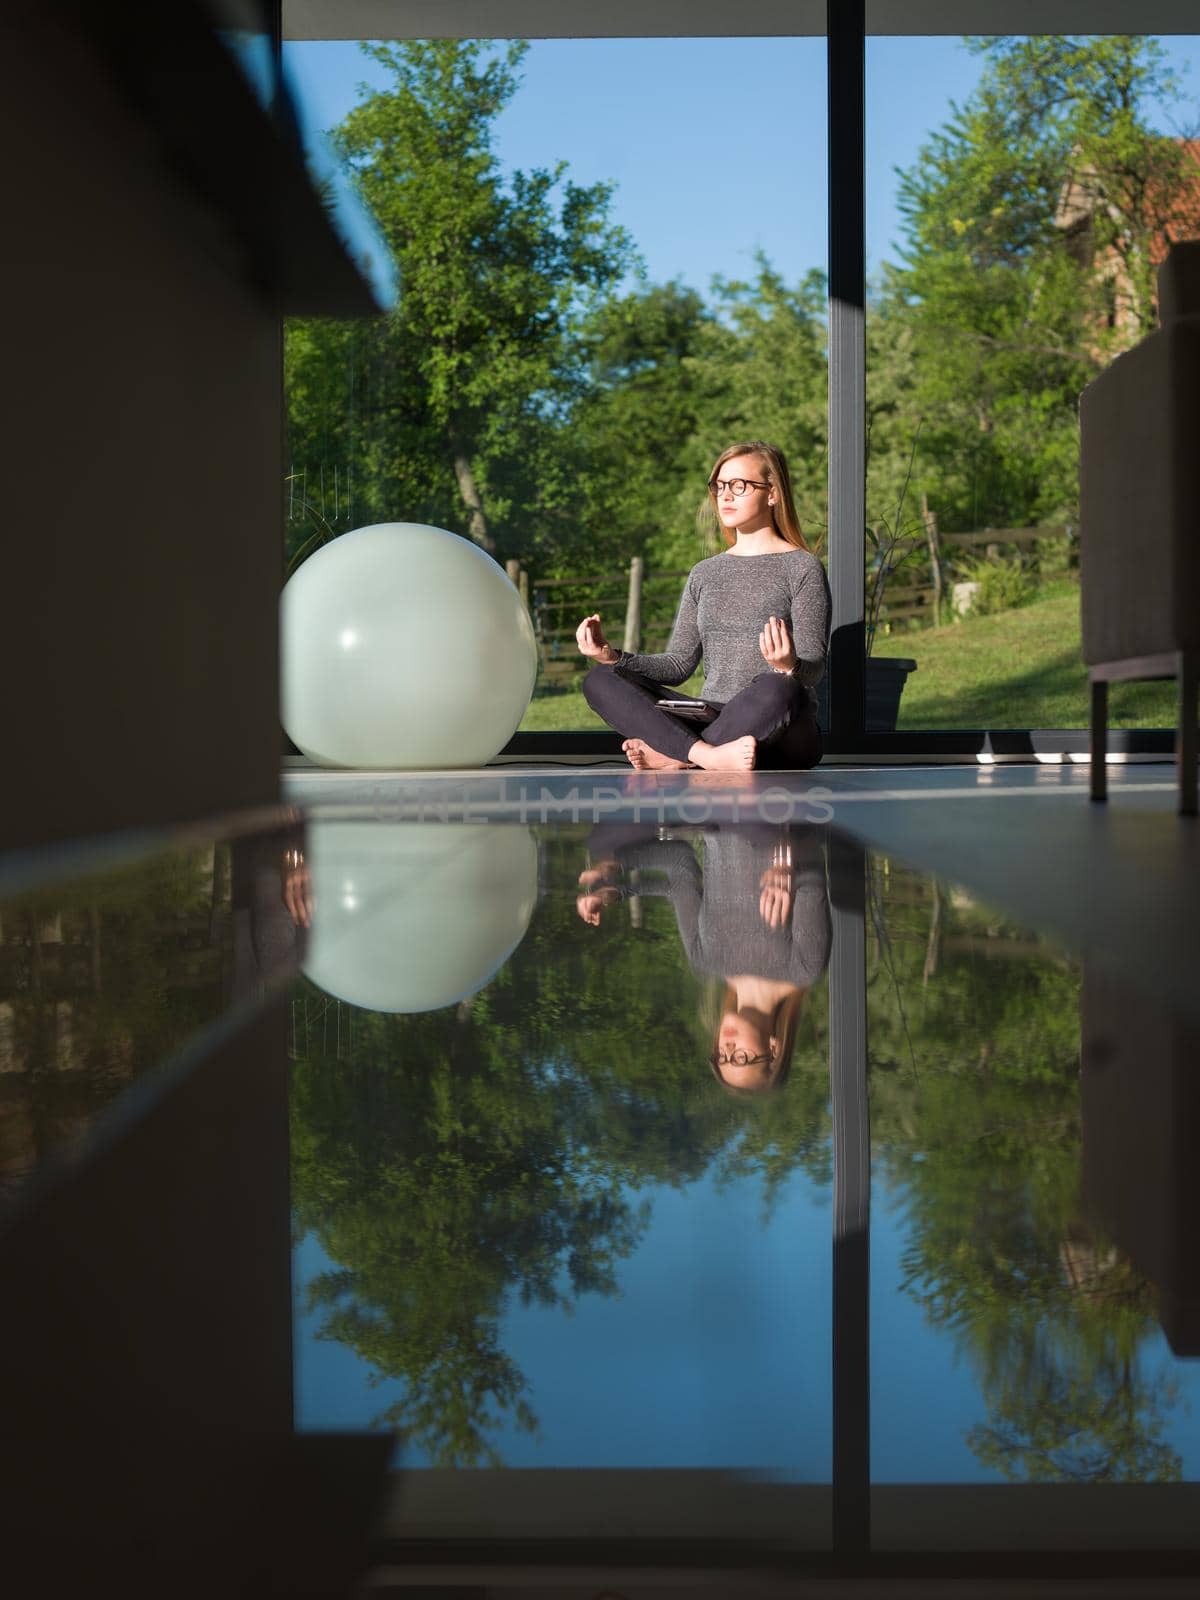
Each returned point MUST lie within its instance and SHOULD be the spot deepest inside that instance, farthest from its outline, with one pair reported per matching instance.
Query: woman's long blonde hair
(775, 472)
(783, 1029)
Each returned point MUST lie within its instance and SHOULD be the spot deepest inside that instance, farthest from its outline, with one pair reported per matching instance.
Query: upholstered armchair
(1140, 517)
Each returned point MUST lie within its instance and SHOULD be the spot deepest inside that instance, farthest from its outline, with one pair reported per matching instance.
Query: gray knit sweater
(725, 605)
(717, 907)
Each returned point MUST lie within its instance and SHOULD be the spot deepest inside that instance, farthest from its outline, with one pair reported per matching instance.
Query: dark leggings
(772, 707)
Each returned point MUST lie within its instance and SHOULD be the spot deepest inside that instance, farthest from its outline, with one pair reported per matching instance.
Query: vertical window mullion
(851, 1119)
(845, 25)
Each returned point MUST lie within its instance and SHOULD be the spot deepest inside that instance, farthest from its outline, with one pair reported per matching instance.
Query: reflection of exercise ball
(404, 646)
(418, 915)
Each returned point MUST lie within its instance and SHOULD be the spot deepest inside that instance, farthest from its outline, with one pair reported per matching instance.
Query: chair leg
(1099, 739)
(1186, 739)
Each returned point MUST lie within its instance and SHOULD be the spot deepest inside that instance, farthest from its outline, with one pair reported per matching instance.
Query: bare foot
(646, 759)
(736, 756)
(721, 780)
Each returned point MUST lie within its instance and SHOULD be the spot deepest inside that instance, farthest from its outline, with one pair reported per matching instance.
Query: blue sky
(717, 146)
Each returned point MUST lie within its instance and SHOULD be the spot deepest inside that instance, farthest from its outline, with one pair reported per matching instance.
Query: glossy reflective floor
(725, 1185)
(575, 1189)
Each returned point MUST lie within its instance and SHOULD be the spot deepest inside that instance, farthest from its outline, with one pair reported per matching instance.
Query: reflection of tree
(445, 1174)
(1075, 1408)
(101, 981)
(975, 1107)
(495, 1150)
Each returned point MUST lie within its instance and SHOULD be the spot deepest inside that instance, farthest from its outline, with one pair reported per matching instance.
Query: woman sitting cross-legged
(758, 616)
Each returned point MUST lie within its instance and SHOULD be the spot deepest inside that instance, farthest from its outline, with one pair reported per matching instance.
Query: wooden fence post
(633, 607)
(935, 558)
(634, 902)
(523, 586)
(513, 568)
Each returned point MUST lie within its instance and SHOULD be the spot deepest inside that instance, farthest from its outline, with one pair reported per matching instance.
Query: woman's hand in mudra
(589, 636)
(603, 875)
(591, 907)
(775, 643)
(775, 901)
(297, 889)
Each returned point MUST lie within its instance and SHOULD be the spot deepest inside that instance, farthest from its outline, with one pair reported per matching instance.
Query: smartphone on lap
(693, 710)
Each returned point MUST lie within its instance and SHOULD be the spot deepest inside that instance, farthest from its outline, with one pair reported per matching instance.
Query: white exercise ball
(414, 916)
(404, 646)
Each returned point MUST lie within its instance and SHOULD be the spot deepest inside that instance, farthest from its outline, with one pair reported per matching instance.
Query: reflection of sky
(717, 146)
(924, 1395)
(254, 53)
(354, 224)
(716, 1353)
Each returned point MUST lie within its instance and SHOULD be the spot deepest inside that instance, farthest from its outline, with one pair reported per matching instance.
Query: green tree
(450, 408)
(762, 374)
(634, 425)
(672, 381)
(1034, 219)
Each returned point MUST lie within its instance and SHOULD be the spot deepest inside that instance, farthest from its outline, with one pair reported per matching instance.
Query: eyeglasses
(738, 1058)
(736, 486)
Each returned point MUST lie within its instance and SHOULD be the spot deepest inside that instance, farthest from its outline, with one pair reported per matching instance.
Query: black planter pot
(886, 676)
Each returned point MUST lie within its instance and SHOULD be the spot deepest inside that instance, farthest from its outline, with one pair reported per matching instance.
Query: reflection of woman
(272, 906)
(755, 915)
(758, 614)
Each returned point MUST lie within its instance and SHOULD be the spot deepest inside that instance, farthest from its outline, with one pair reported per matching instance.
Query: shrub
(1003, 584)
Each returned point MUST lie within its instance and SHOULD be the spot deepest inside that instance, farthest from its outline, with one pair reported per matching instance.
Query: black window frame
(846, 28)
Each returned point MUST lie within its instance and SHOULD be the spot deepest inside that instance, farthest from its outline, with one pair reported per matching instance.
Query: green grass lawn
(559, 708)
(564, 706)
(1019, 669)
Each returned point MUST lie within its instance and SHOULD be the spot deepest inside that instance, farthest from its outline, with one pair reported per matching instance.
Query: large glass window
(609, 273)
(611, 256)
(1021, 193)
